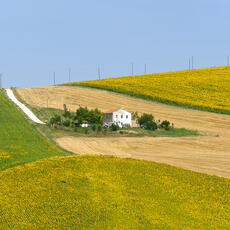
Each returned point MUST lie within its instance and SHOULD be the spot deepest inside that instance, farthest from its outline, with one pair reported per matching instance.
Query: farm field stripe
(200, 154)
(213, 148)
(202, 89)
(27, 111)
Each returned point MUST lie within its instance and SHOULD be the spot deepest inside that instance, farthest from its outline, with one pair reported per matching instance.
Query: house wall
(122, 117)
(108, 117)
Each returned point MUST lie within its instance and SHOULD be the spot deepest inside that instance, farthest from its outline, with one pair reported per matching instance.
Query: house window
(121, 116)
(116, 116)
(127, 116)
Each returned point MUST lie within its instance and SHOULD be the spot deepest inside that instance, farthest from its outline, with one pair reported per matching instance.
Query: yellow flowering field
(39, 190)
(207, 89)
(101, 192)
(20, 142)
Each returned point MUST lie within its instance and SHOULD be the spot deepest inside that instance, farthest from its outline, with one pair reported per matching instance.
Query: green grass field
(19, 140)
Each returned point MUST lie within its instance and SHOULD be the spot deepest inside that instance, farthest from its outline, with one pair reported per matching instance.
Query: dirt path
(27, 111)
(209, 154)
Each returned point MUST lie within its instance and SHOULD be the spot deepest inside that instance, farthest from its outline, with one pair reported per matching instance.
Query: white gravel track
(27, 111)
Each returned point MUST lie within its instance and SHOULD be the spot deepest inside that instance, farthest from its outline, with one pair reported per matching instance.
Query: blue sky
(43, 36)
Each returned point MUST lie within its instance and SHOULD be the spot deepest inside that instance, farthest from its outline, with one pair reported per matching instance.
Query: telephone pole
(145, 69)
(189, 65)
(192, 63)
(99, 73)
(132, 72)
(228, 60)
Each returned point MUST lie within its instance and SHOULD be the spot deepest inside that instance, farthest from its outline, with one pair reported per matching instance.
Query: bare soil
(209, 154)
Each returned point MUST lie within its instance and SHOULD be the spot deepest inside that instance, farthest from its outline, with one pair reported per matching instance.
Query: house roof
(115, 110)
(112, 111)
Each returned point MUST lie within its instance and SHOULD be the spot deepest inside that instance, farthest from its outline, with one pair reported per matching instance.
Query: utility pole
(132, 72)
(69, 75)
(145, 69)
(189, 64)
(192, 63)
(54, 76)
(228, 60)
(99, 73)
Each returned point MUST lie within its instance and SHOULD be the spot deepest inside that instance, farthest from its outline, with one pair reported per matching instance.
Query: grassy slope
(203, 89)
(91, 192)
(19, 141)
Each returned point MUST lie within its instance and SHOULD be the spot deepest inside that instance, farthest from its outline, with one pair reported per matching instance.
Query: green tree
(99, 128)
(82, 114)
(67, 113)
(151, 125)
(114, 127)
(55, 120)
(66, 123)
(95, 117)
(142, 121)
(165, 125)
(94, 127)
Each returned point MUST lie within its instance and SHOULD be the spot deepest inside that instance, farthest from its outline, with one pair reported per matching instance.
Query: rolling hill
(20, 142)
(104, 192)
(92, 192)
(204, 89)
(208, 154)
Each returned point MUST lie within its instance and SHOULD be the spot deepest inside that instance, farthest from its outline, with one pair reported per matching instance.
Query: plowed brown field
(208, 154)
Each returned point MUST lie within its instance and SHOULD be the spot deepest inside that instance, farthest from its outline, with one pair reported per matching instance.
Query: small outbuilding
(121, 117)
(84, 124)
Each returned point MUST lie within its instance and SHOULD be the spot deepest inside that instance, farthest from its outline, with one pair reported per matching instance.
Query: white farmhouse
(120, 117)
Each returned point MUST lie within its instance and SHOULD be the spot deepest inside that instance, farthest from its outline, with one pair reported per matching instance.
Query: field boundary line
(25, 109)
(150, 98)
